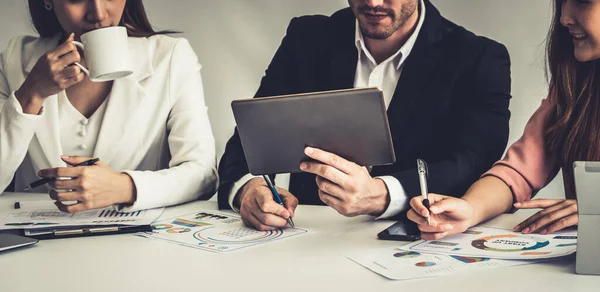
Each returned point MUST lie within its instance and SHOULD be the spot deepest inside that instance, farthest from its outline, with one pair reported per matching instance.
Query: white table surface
(309, 262)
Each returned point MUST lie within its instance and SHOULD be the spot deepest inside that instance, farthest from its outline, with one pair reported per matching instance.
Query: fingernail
(425, 213)
(39, 173)
(526, 230)
(309, 150)
(434, 209)
(516, 228)
(64, 157)
(517, 204)
(448, 227)
(544, 231)
(303, 166)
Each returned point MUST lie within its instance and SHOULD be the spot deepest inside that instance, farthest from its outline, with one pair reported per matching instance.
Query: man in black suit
(446, 89)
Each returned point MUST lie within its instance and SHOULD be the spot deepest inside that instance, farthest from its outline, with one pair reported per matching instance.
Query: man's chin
(378, 34)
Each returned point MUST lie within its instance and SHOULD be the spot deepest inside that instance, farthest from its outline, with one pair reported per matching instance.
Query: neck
(382, 49)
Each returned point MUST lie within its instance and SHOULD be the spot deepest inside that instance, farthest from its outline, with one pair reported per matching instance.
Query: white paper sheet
(498, 243)
(214, 231)
(397, 264)
(44, 214)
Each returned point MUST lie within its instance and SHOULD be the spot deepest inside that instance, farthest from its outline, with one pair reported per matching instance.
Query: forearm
(16, 131)
(489, 197)
(183, 183)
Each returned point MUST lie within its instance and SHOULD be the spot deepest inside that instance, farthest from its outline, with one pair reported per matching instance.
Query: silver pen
(423, 174)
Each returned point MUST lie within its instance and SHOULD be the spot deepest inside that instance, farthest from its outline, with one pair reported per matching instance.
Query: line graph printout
(500, 244)
(45, 214)
(214, 231)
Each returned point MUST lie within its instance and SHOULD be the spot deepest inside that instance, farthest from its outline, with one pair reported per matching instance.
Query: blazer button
(84, 122)
(82, 146)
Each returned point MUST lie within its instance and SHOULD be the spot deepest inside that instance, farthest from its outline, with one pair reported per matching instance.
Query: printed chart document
(43, 214)
(397, 264)
(488, 242)
(214, 232)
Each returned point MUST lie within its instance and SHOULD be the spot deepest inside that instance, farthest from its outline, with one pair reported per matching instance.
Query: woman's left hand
(556, 215)
(93, 187)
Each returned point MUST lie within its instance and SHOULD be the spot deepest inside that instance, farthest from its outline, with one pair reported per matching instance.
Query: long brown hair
(134, 19)
(573, 131)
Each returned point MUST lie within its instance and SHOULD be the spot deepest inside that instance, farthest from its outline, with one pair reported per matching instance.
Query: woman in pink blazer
(564, 129)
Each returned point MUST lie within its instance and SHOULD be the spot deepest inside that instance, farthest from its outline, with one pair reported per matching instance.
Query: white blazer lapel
(124, 103)
(121, 113)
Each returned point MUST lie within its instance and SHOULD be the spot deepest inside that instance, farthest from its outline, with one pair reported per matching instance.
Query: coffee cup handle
(85, 70)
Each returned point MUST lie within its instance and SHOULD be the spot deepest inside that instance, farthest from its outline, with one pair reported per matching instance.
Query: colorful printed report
(488, 242)
(214, 232)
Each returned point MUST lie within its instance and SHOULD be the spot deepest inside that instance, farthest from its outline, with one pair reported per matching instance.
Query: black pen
(46, 180)
(277, 197)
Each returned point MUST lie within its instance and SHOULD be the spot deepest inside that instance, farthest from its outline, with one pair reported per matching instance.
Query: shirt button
(82, 133)
(84, 122)
(82, 146)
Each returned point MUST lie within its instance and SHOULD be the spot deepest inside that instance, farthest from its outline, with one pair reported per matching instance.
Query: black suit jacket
(450, 106)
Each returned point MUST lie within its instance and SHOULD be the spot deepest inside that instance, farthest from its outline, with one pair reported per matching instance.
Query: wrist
(31, 102)
(129, 192)
(476, 216)
(381, 199)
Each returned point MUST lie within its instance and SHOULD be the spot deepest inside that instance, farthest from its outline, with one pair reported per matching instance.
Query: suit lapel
(417, 71)
(123, 106)
(415, 75)
(124, 103)
(343, 53)
(343, 69)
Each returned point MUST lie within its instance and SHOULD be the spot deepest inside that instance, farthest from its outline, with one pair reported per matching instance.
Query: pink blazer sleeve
(527, 167)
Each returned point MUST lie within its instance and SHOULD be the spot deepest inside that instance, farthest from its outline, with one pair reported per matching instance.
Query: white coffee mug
(106, 53)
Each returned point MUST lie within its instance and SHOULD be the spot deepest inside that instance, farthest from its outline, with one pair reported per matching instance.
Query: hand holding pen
(277, 197)
(259, 207)
(90, 183)
(46, 180)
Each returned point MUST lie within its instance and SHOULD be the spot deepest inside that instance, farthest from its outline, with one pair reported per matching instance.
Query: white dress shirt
(368, 74)
(153, 126)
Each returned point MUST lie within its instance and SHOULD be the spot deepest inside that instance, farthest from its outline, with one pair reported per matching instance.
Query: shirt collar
(400, 56)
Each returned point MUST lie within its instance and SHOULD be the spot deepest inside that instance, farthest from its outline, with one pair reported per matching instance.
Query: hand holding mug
(106, 52)
(53, 73)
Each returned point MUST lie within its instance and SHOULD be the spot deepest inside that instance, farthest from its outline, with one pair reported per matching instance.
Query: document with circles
(214, 232)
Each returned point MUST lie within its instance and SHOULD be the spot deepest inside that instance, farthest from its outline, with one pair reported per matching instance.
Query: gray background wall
(235, 40)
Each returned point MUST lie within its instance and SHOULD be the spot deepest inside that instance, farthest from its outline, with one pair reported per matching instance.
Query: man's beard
(398, 20)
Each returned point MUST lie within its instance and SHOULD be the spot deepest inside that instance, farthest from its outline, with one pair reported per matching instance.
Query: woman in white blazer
(150, 129)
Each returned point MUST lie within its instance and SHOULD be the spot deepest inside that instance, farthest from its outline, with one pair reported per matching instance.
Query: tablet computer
(351, 123)
(587, 183)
